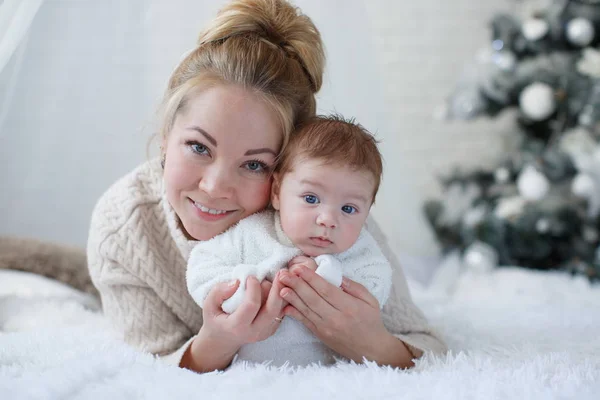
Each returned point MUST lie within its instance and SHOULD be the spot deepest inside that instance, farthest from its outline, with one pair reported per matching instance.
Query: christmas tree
(540, 206)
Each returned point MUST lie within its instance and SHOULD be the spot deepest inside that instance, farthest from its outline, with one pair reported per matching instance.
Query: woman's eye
(199, 148)
(348, 209)
(257, 167)
(311, 199)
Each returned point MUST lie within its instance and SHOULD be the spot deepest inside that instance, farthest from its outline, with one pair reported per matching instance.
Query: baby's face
(323, 207)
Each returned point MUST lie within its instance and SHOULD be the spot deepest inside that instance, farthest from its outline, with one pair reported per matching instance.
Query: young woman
(229, 110)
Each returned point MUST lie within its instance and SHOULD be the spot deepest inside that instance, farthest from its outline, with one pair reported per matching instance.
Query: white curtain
(15, 18)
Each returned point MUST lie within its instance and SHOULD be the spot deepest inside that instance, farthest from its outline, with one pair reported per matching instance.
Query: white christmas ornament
(537, 101)
(480, 257)
(457, 200)
(474, 216)
(534, 29)
(542, 225)
(589, 63)
(502, 175)
(580, 31)
(509, 207)
(583, 185)
(505, 60)
(532, 184)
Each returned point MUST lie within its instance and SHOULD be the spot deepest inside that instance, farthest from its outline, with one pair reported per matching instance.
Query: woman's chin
(203, 229)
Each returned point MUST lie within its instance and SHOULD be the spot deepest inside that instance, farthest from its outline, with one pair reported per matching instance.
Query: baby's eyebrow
(311, 183)
(359, 197)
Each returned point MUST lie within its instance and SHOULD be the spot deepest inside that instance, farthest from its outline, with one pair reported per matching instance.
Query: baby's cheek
(350, 236)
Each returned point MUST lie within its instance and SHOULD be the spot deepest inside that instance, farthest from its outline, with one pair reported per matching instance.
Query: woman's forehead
(233, 116)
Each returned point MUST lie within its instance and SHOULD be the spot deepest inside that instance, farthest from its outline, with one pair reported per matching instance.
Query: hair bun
(277, 22)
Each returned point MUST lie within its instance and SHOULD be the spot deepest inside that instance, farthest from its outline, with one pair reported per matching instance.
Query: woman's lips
(207, 216)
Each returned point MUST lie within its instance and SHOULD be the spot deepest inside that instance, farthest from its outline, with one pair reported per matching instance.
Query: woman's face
(218, 159)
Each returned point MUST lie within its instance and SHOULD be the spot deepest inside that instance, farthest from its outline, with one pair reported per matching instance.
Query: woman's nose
(216, 182)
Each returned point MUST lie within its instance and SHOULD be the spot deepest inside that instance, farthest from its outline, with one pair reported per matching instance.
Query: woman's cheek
(262, 195)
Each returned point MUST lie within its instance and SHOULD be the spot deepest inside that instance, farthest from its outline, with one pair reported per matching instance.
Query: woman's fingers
(359, 291)
(291, 312)
(218, 294)
(265, 288)
(251, 304)
(273, 307)
(290, 294)
(318, 294)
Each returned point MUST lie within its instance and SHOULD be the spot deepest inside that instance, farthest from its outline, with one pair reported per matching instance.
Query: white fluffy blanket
(513, 334)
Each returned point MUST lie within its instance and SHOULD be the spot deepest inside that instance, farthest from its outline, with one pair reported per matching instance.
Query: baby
(323, 187)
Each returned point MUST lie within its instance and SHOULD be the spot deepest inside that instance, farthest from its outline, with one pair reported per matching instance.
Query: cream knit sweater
(137, 256)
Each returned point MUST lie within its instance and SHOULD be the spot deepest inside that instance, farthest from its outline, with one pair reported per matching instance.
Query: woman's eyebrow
(211, 139)
(259, 151)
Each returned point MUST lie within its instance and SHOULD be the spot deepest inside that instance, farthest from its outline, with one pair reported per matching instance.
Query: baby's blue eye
(348, 209)
(311, 199)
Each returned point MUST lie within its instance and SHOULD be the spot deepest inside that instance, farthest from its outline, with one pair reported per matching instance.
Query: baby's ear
(275, 186)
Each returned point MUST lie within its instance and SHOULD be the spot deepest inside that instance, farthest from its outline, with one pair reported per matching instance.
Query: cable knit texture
(137, 256)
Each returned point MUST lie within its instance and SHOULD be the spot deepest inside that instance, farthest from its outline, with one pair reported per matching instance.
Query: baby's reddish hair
(335, 141)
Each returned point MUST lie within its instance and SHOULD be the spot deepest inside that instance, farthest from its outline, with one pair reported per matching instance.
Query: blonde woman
(229, 109)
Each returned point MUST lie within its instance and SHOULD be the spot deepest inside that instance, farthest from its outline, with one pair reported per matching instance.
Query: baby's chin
(314, 251)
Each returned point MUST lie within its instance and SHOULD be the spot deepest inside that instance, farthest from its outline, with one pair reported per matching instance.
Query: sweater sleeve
(400, 315)
(135, 311)
(403, 319)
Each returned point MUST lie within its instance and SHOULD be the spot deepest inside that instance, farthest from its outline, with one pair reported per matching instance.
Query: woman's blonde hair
(266, 46)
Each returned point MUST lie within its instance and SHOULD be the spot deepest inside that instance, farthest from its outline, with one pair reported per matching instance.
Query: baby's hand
(298, 261)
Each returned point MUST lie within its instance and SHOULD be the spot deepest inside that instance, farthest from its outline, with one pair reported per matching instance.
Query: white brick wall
(422, 47)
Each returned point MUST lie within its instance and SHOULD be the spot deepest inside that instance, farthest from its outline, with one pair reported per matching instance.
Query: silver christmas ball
(590, 234)
(505, 60)
(542, 225)
(532, 184)
(537, 101)
(480, 257)
(580, 31)
(466, 104)
(583, 185)
(534, 29)
(502, 175)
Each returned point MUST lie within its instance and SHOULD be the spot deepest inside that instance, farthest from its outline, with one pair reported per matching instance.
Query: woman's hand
(222, 334)
(346, 319)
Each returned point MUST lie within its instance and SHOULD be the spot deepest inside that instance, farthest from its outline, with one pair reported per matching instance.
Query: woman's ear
(275, 186)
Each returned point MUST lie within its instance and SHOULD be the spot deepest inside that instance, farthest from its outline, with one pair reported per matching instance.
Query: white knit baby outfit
(258, 246)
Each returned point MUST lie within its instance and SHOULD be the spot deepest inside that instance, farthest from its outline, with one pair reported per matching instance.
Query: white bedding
(513, 334)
